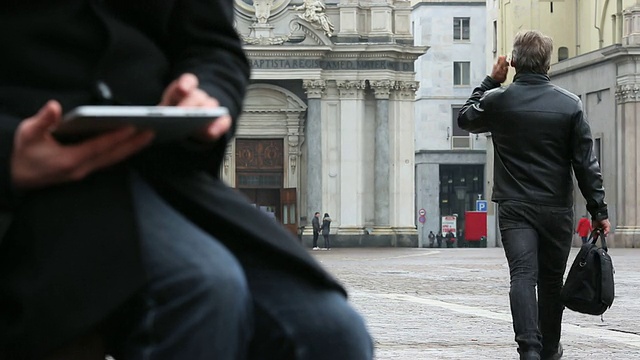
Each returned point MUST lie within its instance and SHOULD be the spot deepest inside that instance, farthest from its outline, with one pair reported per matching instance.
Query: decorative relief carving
(313, 11)
(628, 93)
(382, 88)
(293, 159)
(259, 154)
(296, 27)
(348, 84)
(314, 88)
(265, 40)
(350, 88)
(227, 162)
(405, 90)
(262, 10)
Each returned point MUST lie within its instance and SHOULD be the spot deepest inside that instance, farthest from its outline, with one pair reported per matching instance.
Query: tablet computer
(169, 123)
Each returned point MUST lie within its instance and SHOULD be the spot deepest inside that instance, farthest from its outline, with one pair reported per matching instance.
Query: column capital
(628, 93)
(405, 90)
(351, 88)
(382, 88)
(314, 88)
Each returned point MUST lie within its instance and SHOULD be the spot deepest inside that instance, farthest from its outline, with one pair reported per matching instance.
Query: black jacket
(315, 222)
(71, 255)
(540, 135)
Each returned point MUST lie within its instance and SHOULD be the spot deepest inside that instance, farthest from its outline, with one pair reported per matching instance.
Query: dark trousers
(315, 238)
(584, 239)
(327, 242)
(537, 241)
(203, 302)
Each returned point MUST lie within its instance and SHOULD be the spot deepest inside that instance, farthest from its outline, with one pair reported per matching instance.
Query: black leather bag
(589, 288)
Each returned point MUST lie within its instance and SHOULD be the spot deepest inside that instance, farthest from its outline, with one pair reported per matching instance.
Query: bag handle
(598, 233)
(593, 238)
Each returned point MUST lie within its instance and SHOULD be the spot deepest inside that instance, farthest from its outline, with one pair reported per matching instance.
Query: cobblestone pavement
(453, 304)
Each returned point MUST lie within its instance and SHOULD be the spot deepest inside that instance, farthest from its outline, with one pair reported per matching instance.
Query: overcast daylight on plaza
(320, 180)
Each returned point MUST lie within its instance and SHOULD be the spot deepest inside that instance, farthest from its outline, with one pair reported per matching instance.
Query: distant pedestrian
(584, 228)
(326, 228)
(316, 229)
(439, 239)
(451, 239)
(432, 238)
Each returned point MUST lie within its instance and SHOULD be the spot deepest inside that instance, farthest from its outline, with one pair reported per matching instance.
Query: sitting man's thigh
(295, 319)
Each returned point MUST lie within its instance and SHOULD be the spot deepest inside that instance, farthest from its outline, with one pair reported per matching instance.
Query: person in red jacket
(584, 228)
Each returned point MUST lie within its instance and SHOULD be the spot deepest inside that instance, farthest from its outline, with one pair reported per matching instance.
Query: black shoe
(530, 355)
(557, 355)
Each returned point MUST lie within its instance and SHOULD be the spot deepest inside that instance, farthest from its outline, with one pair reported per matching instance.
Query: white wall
(433, 26)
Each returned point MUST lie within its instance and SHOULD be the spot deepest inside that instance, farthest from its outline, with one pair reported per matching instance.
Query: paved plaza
(453, 304)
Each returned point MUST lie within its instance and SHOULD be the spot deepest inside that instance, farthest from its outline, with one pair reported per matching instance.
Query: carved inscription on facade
(331, 64)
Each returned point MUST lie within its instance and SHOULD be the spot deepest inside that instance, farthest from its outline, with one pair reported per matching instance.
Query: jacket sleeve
(203, 41)
(471, 116)
(586, 167)
(200, 39)
(8, 195)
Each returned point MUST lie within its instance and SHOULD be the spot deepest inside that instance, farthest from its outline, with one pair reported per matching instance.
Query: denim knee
(344, 330)
(218, 284)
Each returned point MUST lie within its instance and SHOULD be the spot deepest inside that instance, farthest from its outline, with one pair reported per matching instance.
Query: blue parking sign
(481, 205)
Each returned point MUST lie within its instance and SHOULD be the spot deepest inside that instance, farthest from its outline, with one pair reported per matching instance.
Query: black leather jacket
(539, 135)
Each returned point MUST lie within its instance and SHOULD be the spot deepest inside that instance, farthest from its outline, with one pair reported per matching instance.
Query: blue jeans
(537, 241)
(203, 302)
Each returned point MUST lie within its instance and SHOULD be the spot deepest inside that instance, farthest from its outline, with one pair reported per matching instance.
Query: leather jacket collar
(531, 78)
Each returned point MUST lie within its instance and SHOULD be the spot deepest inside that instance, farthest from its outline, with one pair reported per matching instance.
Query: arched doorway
(264, 160)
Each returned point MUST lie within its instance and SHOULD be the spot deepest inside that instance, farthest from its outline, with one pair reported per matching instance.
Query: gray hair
(532, 52)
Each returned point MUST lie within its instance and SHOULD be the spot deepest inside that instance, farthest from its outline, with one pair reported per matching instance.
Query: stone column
(381, 155)
(314, 90)
(627, 227)
(351, 173)
(402, 153)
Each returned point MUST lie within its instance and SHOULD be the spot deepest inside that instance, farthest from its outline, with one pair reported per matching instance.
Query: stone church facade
(328, 123)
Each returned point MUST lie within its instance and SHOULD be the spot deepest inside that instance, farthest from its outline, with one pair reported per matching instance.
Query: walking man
(539, 135)
(316, 229)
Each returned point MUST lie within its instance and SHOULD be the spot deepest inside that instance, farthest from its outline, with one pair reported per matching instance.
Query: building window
(461, 73)
(495, 36)
(563, 53)
(597, 150)
(457, 131)
(461, 28)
